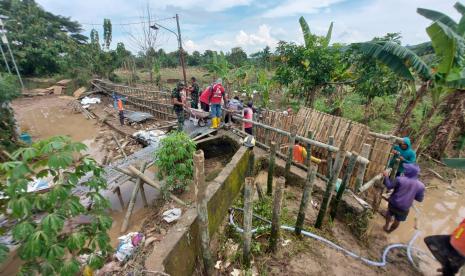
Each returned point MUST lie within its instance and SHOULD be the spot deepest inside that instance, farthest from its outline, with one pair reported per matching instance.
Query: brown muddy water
(441, 211)
(44, 117)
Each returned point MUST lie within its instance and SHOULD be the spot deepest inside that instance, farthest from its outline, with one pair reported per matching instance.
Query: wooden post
(344, 183)
(132, 201)
(135, 172)
(290, 154)
(117, 190)
(306, 196)
(142, 194)
(259, 191)
(119, 145)
(248, 208)
(338, 163)
(202, 211)
(269, 183)
(276, 220)
(329, 162)
(362, 167)
(309, 148)
(251, 164)
(395, 168)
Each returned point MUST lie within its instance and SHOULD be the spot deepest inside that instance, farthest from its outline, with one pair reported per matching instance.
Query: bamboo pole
(276, 220)
(309, 148)
(338, 163)
(290, 153)
(132, 201)
(135, 172)
(251, 163)
(329, 162)
(285, 133)
(119, 145)
(142, 194)
(345, 180)
(269, 183)
(306, 196)
(395, 168)
(202, 210)
(362, 167)
(117, 190)
(248, 208)
(371, 182)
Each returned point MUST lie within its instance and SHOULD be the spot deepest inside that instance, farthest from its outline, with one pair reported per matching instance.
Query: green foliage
(174, 159)
(46, 246)
(9, 85)
(107, 32)
(237, 57)
(45, 38)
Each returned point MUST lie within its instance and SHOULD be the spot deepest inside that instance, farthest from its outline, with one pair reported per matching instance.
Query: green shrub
(47, 246)
(9, 87)
(174, 159)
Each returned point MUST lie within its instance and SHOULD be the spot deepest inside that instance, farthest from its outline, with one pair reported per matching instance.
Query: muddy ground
(441, 211)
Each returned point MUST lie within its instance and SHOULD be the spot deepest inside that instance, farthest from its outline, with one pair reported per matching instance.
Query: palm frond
(448, 45)
(398, 58)
(438, 17)
(305, 31)
(460, 8)
(329, 34)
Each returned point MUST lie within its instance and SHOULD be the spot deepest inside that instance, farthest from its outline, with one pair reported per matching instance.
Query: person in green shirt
(178, 105)
(195, 91)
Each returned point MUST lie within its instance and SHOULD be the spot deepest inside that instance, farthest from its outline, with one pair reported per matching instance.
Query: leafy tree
(308, 68)
(47, 244)
(195, 59)
(174, 159)
(107, 32)
(9, 85)
(40, 39)
(237, 57)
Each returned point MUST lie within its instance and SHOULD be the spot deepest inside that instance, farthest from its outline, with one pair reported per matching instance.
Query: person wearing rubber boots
(218, 94)
(178, 105)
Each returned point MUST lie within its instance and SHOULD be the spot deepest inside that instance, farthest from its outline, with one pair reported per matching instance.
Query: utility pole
(181, 51)
(5, 41)
(4, 59)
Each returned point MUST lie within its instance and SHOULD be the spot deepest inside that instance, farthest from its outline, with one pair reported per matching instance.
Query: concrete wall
(178, 253)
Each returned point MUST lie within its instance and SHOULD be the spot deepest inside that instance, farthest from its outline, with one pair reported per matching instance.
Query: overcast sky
(253, 24)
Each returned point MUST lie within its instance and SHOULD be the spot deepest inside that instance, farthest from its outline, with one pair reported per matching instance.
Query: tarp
(136, 116)
(456, 163)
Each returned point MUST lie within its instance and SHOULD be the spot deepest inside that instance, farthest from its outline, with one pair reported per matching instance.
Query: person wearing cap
(218, 94)
(178, 105)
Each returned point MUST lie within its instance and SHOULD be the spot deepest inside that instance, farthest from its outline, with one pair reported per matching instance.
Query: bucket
(26, 138)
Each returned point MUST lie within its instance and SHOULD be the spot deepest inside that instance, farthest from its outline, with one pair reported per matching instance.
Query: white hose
(383, 261)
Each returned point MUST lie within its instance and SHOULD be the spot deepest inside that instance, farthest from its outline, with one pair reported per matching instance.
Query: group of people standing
(212, 99)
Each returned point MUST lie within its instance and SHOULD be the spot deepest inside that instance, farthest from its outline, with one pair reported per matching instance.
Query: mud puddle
(441, 211)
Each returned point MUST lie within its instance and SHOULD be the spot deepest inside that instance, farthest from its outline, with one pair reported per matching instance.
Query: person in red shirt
(205, 98)
(449, 250)
(217, 95)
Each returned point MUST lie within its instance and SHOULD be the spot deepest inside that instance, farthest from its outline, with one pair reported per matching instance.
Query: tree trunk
(404, 122)
(367, 113)
(418, 137)
(446, 130)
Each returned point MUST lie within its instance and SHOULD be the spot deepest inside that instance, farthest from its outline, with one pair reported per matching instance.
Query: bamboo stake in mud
(269, 182)
(132, 201)
(329, 162)
(144, 197)
(251, 164)
(362, 167)
(306, 196)
(290, 154)
(276, 220)
(248, 208)
(309, 148)
(338, 163)
(202, 210)
(345, 181)
(119, 145)
(117, 190)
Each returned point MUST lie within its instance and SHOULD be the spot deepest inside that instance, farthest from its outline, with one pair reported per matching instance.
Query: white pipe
(381, 263)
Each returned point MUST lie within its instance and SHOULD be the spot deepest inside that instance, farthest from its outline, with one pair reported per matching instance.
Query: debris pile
(111, 150)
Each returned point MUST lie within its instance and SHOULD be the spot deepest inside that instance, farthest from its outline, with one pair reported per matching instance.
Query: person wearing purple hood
(407, 188)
